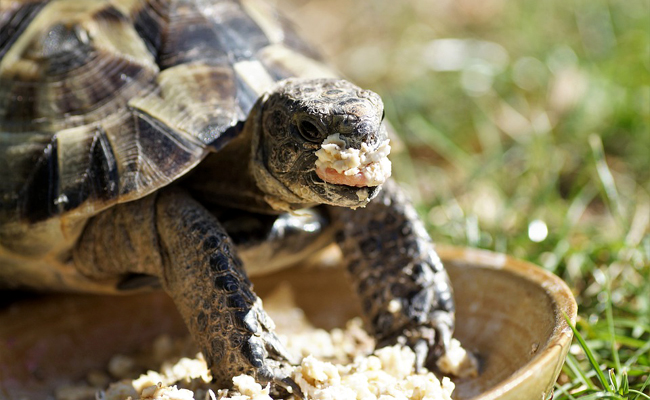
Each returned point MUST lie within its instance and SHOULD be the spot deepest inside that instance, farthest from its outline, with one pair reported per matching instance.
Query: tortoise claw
(278, 366)
(276, 349)
(279, 375)
(421, 350)
(429, 343)
(442, 341)
(289, 385)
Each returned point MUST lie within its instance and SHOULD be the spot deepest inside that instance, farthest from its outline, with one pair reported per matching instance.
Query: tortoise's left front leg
(403, 287)
(171, 236)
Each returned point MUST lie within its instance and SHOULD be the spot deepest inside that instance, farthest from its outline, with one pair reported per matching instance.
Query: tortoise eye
(309, 131)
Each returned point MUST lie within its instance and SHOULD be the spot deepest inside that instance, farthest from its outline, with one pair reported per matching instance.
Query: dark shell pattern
(107, 101)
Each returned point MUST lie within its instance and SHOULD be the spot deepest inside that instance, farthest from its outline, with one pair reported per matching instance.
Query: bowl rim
(557, 290)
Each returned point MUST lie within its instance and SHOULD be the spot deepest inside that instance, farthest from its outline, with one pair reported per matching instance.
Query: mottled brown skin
(294, 121)
(173, 237)
(390, 257)
(130, 130)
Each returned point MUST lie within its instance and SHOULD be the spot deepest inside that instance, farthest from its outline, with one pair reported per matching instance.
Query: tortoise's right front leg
(171, 236)
(404, 289)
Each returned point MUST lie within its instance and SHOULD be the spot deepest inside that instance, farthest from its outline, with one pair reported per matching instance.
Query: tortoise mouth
(366, 165)
(339, 194)
(348, 176)
(356, 179)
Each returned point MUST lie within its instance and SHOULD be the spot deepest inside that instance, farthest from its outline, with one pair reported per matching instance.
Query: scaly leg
(171, 236)
(404, 290)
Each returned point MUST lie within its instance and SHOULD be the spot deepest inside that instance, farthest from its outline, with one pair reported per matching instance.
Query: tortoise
(160, 143)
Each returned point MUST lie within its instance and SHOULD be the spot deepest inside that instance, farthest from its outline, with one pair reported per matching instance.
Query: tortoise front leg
(173, 237)
(404, 290)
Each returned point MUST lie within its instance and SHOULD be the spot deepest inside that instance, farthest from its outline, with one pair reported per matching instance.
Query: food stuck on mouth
(363, 167)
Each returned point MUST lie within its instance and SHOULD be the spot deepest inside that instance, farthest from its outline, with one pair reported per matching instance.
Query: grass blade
(640, 392)
(635, 356)
(602, 395)
(590, 356)
(605, 176)
(613, 382)
(610, 327)
(575, 368)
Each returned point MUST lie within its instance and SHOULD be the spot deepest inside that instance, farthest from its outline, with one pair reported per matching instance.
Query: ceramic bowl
(509, 312)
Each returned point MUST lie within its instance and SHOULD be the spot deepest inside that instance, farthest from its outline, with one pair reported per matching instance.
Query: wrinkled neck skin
(237, 177)
(225, 178)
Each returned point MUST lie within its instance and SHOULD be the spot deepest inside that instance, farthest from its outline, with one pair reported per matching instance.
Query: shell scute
(106, 101)
(87, 169)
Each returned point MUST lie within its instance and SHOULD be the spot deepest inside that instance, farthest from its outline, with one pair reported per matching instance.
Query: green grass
(544, 116)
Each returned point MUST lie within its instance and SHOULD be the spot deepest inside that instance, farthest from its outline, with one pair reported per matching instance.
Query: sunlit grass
(525, 129)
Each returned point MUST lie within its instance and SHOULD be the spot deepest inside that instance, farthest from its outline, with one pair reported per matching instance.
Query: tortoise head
(320, 141)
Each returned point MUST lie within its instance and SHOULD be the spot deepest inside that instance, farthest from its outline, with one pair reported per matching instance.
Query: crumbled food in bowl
(386, 375)
(353, 167)
(337, 365)
(160, 392)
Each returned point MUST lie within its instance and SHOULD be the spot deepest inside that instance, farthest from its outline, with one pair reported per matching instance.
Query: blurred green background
(525, 129)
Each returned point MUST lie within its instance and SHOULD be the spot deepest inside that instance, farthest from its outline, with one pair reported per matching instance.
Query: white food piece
(362, 195)
(365, 165)
(249, 389)
(160, 392)
(397, 361)
(387, 375)
(394, 306)
(184, 369)
(458, 361)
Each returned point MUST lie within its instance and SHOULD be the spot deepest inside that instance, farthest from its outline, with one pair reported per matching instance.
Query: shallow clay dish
(508, 311)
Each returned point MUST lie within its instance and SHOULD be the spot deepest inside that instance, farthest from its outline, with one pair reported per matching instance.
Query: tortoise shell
(106, 101)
